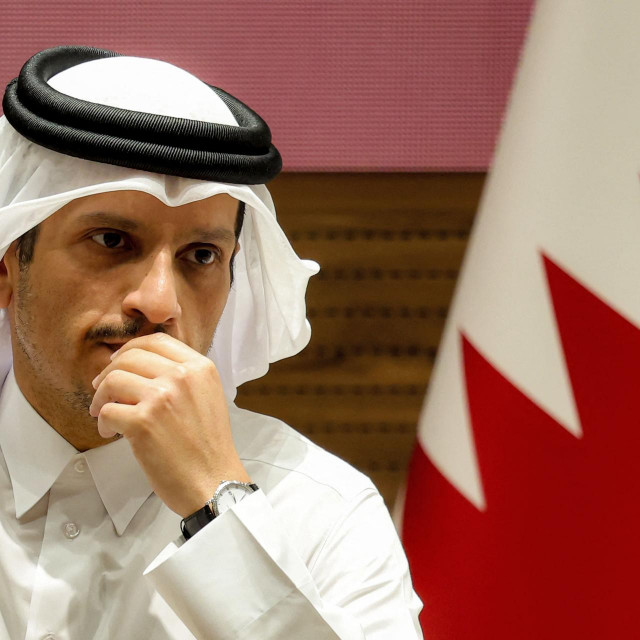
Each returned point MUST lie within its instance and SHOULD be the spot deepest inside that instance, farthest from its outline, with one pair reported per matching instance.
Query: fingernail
(114, 354)
(93, 382)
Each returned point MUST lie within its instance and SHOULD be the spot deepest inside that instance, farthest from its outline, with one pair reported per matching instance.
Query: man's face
(107, 268)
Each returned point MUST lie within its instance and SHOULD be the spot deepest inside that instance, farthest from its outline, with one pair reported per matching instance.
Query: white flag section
(564, 187)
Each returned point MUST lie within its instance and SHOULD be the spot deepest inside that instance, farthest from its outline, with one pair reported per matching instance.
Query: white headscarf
(265, 316)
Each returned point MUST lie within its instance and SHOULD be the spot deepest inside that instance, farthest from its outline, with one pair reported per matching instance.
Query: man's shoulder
(276, 450)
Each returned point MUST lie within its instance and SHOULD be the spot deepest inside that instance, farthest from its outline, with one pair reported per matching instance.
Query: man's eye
(202, 255)
(109, 239)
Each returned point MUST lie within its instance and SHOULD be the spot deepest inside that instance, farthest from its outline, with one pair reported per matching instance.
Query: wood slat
(345, 370)
(391, 292)
(371, 258)
(343, 200)
(421, 331)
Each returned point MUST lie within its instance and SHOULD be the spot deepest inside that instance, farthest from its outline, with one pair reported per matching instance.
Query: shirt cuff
(237, 569)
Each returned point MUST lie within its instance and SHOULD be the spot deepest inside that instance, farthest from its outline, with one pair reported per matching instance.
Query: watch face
(228, 494)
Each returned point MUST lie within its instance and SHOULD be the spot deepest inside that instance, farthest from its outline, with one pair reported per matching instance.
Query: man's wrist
(202, 487)
(228, 493)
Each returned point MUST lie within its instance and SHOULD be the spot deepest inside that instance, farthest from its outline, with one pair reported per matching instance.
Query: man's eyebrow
(217, 234)
(108, 219)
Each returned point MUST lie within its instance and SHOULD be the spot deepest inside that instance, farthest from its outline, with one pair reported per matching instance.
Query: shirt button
(71, 530)
(80, 466)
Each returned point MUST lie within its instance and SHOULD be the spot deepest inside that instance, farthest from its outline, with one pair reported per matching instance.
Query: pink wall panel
(397, 85)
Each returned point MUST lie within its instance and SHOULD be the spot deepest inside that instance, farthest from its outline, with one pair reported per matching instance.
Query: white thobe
(87, 550)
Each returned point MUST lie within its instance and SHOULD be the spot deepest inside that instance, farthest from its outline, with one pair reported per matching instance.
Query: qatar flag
(522, 513)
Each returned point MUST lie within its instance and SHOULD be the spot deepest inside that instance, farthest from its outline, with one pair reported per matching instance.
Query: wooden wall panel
(390, 248)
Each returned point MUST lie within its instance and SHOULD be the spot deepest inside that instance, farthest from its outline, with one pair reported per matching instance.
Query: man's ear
(6, 286)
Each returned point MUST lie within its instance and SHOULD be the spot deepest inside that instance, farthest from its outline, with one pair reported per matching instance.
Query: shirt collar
(120, 480)
(36, 454)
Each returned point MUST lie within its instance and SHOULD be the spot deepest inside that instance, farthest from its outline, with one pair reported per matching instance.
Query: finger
(122, 387)
(162, 344)
(114, 418)
(139, 361)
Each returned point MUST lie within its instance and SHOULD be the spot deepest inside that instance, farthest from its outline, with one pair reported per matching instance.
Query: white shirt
(87, 550)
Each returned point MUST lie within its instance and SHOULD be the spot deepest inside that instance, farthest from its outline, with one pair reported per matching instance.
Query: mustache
(128, 329)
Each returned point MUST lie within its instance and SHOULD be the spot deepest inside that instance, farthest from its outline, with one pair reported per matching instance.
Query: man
(136, 500)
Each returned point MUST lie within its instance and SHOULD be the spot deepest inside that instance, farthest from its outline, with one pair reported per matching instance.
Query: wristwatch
(228, 493)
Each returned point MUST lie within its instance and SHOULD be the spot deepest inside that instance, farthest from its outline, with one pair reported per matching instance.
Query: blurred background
(386, 113)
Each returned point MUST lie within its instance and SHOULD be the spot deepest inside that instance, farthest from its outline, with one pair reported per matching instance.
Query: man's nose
(154, 294)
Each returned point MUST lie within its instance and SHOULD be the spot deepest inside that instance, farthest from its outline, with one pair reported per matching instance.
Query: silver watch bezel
(224, 487)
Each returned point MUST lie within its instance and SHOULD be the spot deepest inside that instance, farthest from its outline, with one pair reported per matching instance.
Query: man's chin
(79, 400)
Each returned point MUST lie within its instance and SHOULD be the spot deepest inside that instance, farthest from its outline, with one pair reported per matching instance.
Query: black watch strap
(201, 518)
(193, 523)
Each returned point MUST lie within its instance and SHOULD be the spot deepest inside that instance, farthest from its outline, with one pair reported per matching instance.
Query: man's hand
(167, 400)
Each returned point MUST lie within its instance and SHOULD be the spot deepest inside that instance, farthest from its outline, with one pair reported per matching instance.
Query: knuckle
(163, 395)
(205, 366)
(182, 372)
(210, 369)
(108, 411)
(113, 378)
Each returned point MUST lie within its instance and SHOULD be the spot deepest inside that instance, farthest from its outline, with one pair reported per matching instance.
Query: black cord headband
(138, 140)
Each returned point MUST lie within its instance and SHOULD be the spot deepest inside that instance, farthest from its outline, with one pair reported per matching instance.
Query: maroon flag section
(555, 552)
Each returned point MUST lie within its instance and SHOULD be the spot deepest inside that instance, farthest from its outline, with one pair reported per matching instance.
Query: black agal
(146, 141)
